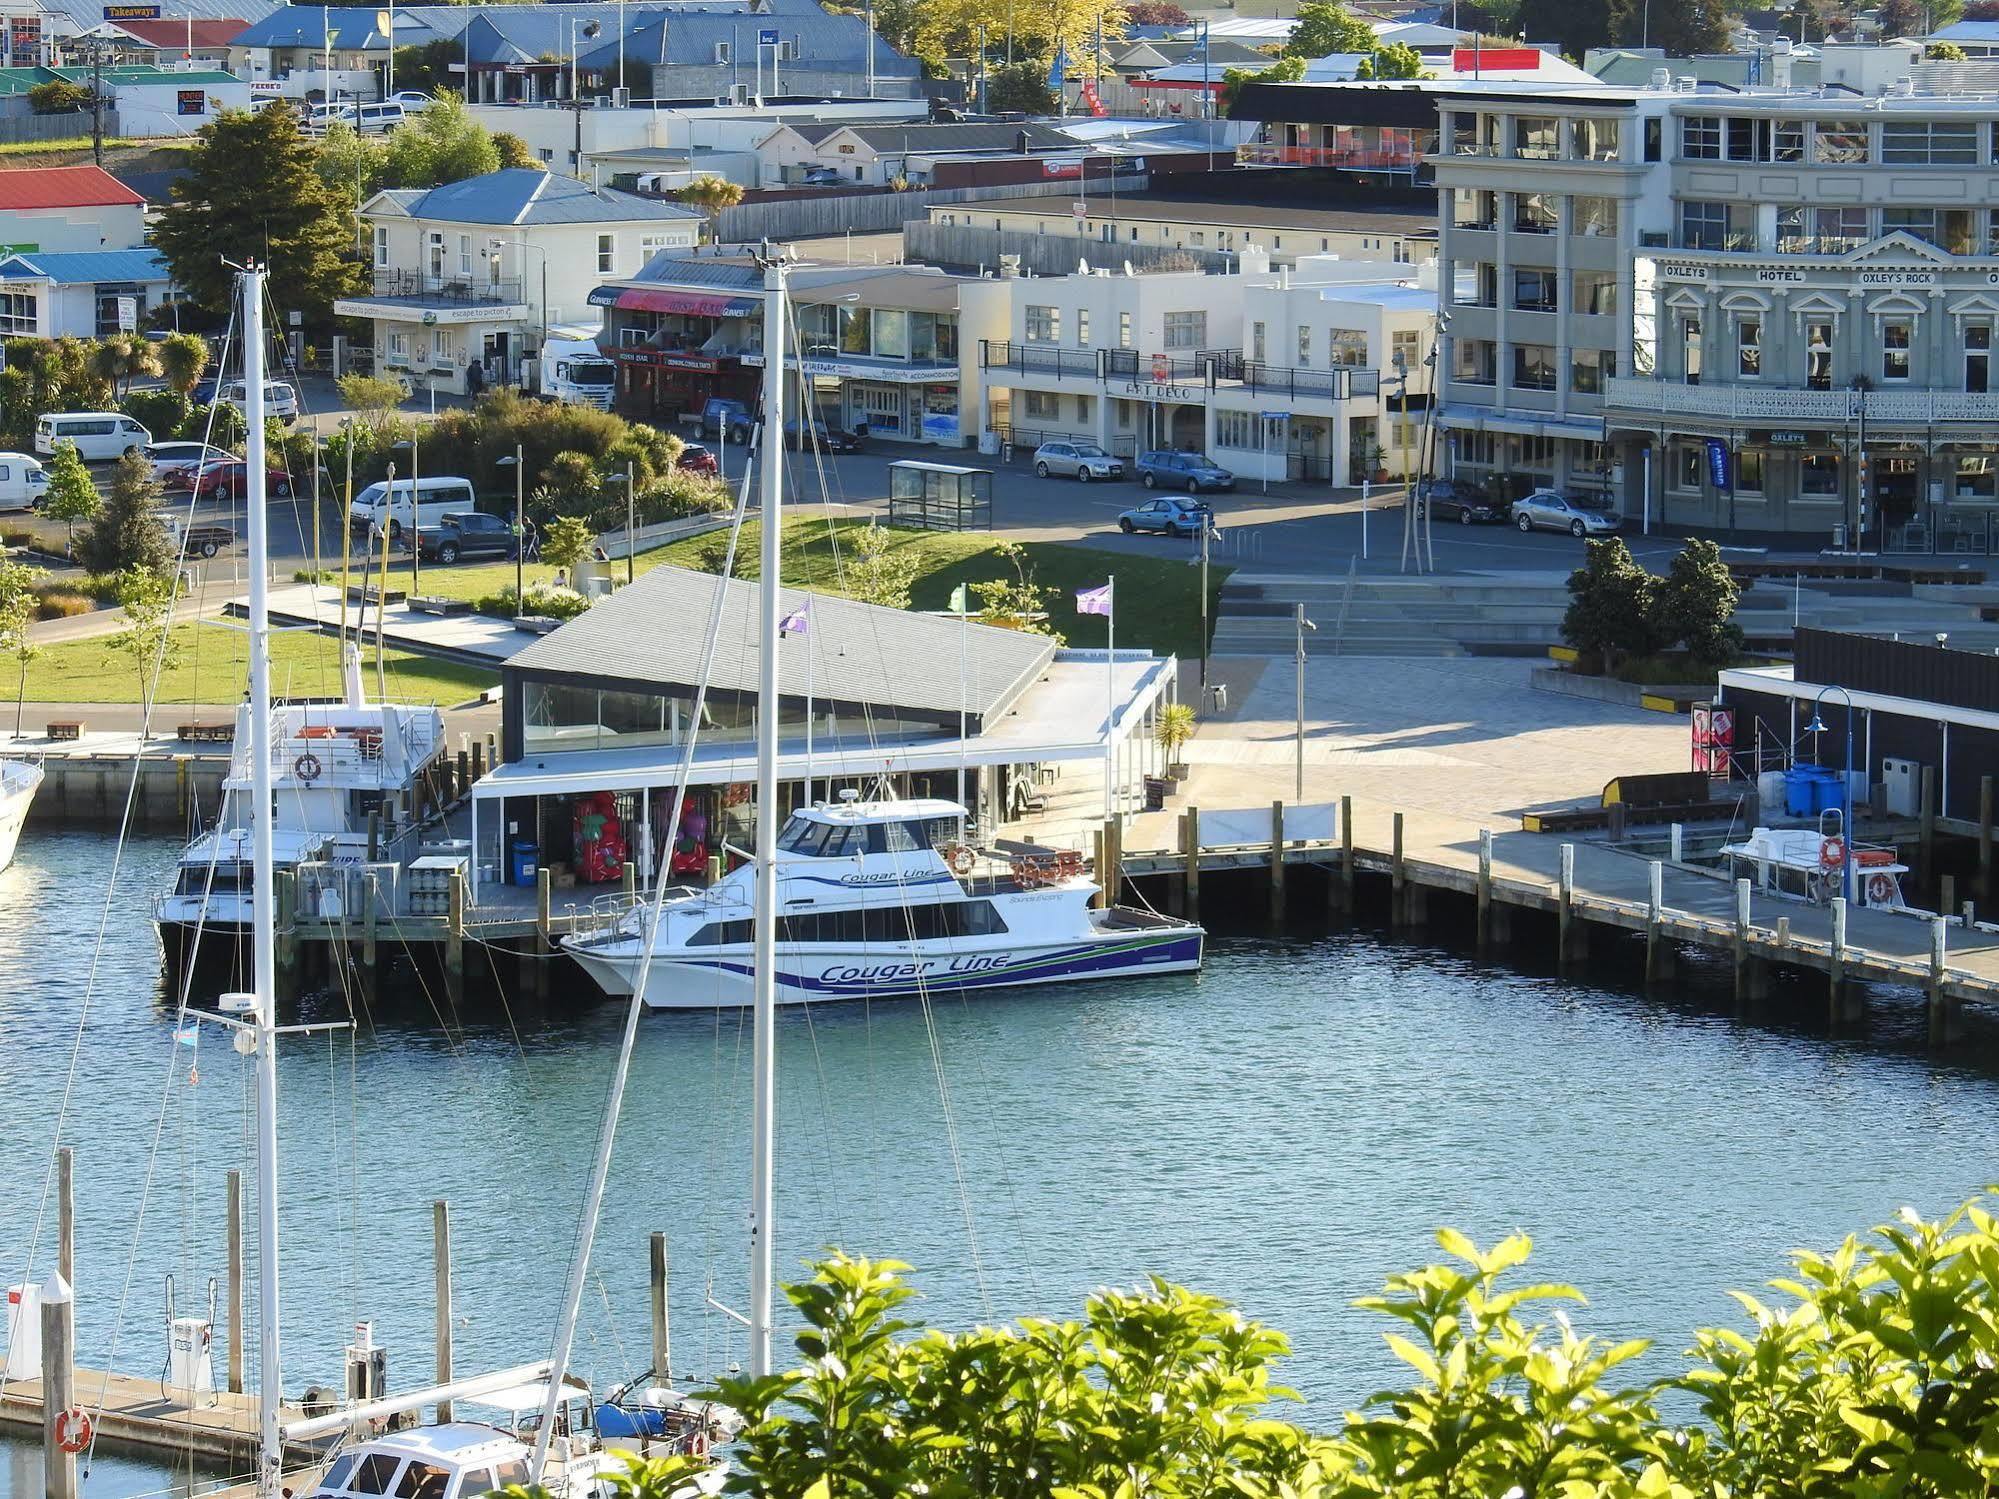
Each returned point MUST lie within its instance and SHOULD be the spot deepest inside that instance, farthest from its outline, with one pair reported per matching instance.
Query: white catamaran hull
(18, 783)
(722, 977)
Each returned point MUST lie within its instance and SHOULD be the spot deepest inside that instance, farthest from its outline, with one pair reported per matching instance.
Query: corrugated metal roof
(655, 631)
(823, 40)
(173, 36)
(88, 13)
(524, 195)
(83, 267)
(65, 187)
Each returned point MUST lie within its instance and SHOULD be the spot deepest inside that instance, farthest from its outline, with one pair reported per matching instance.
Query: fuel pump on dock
(189, 1376)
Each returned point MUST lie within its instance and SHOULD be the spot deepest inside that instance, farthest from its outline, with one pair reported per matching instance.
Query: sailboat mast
(270, 1393)
(764, 1046)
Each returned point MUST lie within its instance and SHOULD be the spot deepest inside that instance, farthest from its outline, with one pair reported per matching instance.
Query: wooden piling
(1101, 862)
(1114, 853)
(454, 940)
(285, 888)
(374, 837)
(662, 1329)
(1927, 834)
(478, 763)
(58, 1385)
(1192, 839)
(463, 782)
(1277, 861)
(233, 1308)
(1942, 1009)
(371, 972)
(66, 1215)
(1345, 882)
(1658, 946)
(1398, 890)
(1568, 930)
(1947, 900)
(1484, 888)
(1985, 840)
(1748, 971)
(1835, 967)
(440, 1239)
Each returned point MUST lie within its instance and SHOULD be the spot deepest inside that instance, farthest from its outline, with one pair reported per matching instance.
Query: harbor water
(1285, 1130)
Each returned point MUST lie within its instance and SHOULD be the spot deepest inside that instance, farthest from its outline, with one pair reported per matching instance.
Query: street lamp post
(631, 548)
(1301, 625)
(1816, 727)
(518, 463)
(416, 510)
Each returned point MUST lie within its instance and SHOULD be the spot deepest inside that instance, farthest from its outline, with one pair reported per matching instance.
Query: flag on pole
(188, 1035)
(960, 600)
(1094, 600)
(797, 622)
(1058, 70)
(1091, 100)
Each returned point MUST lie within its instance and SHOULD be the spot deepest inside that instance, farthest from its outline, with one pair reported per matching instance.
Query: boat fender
(1832, 852)
(1880, 890)
(307, 767)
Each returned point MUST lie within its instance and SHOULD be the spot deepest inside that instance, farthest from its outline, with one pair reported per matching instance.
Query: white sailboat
(19, 781)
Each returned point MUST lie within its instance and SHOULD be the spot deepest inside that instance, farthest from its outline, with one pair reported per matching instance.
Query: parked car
(100, 436)
(199, 540)
(466, 533)
(1464, 502)
(1551, 510)
(822, 177)
(698, 459)
(280, 399)
(166, 457)
(1082, 461)
(722, 416)
(827, 439)
(225, 478)
(1190, 471)
(1170, 514)
(441, 496)
(23, 482)
(410, 99)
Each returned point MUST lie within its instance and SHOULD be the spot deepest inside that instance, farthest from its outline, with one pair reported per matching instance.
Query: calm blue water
(1286, 1130)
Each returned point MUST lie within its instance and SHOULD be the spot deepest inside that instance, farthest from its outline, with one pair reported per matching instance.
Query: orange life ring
(957, 858)
(73, 1429)
(1880, 889)
(1832, 852)
(307, 767)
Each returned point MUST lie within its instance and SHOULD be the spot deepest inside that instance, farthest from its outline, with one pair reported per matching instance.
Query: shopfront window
(1977, 477)
(891, 333)
(1818, 476)
(1749, 470)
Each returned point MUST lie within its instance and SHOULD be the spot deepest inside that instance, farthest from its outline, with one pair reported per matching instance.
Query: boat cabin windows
(834, 840)
(222, 879)
(336, 1476)
(930, 921)
(422, 1480)
(377, 1471)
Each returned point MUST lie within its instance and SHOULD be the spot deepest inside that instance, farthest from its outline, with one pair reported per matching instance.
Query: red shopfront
(661, 338)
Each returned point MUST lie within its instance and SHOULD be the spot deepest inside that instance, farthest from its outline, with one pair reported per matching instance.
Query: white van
(22, 482)
(436, 499)
(280, 400)
(100, 436)
(379, 117)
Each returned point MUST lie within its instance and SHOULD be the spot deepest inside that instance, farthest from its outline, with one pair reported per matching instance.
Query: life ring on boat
(73, 1429)
(307, 767)
(957, 858)
(1832, 852)
(1880, 890)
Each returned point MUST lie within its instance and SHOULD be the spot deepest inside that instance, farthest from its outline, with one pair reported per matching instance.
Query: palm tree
(183, 356)
(712, 195)
(124, 357)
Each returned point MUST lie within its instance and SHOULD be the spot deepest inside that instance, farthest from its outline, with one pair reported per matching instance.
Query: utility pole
(97, 99)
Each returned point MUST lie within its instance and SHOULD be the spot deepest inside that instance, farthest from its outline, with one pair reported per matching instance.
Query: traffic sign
(767, 36)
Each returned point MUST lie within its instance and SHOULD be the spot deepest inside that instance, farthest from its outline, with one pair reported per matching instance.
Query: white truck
(572, 368)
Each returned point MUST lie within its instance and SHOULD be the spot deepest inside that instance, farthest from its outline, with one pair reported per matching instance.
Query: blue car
(1165, 469)
(1172, 514)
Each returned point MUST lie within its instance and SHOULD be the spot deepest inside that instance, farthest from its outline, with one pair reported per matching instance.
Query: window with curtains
(1749, 347)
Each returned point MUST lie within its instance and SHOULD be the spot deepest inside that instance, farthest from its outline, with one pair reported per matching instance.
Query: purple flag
(796, 622)
(1094, 600)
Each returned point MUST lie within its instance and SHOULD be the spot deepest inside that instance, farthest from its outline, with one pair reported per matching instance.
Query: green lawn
(1158, 596)
(213, 667)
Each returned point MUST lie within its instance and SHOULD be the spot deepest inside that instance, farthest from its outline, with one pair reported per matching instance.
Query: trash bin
(524, 861)
(1810, 790)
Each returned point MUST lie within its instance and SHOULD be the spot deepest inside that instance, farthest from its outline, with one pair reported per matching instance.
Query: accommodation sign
(1685, 270)
(1891, 277)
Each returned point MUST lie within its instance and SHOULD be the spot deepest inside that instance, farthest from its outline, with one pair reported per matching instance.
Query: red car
(226, 479)
(698, 459)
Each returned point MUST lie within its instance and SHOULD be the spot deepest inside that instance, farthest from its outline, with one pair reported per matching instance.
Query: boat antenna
(770, 609)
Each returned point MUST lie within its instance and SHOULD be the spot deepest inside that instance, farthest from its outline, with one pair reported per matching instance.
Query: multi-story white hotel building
(1765, 310)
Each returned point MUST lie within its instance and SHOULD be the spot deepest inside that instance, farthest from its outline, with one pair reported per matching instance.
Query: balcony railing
(470, 290)
(1778, 405)
(1341, 383)
(1106, 365)
(1394, 159)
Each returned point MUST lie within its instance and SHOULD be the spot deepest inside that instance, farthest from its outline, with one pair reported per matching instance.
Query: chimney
(1020, 142)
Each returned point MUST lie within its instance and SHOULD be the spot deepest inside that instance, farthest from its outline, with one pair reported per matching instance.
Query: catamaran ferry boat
(882, 900)
(19, 781)
(332, 764)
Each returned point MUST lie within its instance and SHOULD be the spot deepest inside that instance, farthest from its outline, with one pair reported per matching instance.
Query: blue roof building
(79, 293)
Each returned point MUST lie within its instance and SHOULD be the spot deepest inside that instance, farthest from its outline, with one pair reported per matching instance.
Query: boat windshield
(843, 840)
(199, 879)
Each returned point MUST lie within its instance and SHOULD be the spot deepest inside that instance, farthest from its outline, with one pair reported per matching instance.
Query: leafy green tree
(1020, 87)
(427, 69)
(1693, 606)
(17, 611)
(58, 97)
(515, 153)
(48, 374)
(878, 572)
(711, 195)
(183, 357)
(1395, 60)
(370, 397)
(1284, 70)
(350, 165)
(574, 482)
(1325, 27)
(1685, 29)
(146, 594)
(128, 533)
(71, 496)
(1610, 614)
(1155, 13)
(124, 357)
(252, 192)
(442, 144)
(567, 541)
(1016, 603)
(162, 411)
(1573, 25)
(1899, 18)
(1945, 52)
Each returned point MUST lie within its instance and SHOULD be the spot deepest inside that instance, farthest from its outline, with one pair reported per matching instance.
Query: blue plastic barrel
(524, 861)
